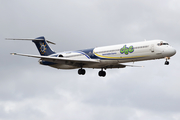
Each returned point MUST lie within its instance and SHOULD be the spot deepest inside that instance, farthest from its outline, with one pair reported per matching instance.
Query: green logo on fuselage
(126, 50)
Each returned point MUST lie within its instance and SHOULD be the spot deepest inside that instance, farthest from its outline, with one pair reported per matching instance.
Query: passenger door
(152, 48)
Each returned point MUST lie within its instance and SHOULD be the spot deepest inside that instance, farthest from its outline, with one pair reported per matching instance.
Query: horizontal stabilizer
(57, 59)
(31, 40)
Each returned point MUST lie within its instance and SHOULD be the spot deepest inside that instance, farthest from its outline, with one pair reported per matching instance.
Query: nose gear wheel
(167, 62)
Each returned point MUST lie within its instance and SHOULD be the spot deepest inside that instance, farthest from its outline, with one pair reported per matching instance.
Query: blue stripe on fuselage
(83, 54)
(90, 53)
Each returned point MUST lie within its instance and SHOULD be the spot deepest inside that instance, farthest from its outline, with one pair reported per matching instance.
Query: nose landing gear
(167, 62)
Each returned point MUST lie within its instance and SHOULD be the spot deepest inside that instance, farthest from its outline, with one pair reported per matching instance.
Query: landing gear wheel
(81, 71)
(102, 73)
(167, 63)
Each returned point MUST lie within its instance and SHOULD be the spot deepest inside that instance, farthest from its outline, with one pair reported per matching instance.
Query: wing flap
(118, 65)
(131, 65)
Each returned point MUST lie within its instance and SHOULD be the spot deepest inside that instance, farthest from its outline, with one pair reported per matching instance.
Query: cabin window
(139, 47)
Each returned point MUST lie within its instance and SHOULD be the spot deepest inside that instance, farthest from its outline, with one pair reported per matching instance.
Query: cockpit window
(165, 44)
(159, 44)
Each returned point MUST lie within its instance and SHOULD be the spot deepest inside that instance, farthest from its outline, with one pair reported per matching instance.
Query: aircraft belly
(103, 64)
(63, 66)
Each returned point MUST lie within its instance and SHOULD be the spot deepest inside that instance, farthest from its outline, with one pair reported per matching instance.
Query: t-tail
(41, 44)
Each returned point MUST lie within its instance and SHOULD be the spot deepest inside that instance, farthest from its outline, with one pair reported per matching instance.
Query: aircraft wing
(131, 65)
(75, 61)
(58, 59)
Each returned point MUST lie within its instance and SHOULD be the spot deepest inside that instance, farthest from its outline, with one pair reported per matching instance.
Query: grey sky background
(32, 91)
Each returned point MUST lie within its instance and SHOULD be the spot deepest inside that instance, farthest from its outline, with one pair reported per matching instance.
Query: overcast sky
(29, 91)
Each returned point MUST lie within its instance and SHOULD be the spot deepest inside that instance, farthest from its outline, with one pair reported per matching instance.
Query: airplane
(106, 57)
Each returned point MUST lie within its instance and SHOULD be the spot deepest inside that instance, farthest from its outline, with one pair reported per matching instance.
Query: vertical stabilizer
(43, 46)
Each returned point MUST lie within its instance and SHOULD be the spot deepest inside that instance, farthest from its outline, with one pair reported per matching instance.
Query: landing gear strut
(102, 73)
(167, 62)
(81, 71)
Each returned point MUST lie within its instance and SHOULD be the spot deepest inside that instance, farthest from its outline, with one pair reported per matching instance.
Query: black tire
(102, 73)
(167, 63)
(81, 71)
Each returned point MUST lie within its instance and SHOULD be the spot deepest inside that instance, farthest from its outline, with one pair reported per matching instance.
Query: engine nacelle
(60, 55)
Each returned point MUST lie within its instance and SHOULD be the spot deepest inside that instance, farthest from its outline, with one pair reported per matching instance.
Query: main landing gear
(83, 71)
(102, 73)
(167, 62)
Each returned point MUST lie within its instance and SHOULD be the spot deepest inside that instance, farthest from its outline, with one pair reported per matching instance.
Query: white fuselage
(122, 53)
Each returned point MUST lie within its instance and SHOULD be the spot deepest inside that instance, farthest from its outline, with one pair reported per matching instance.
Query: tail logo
(42, 48)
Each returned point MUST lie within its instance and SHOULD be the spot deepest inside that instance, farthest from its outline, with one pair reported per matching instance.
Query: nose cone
(171, 51)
